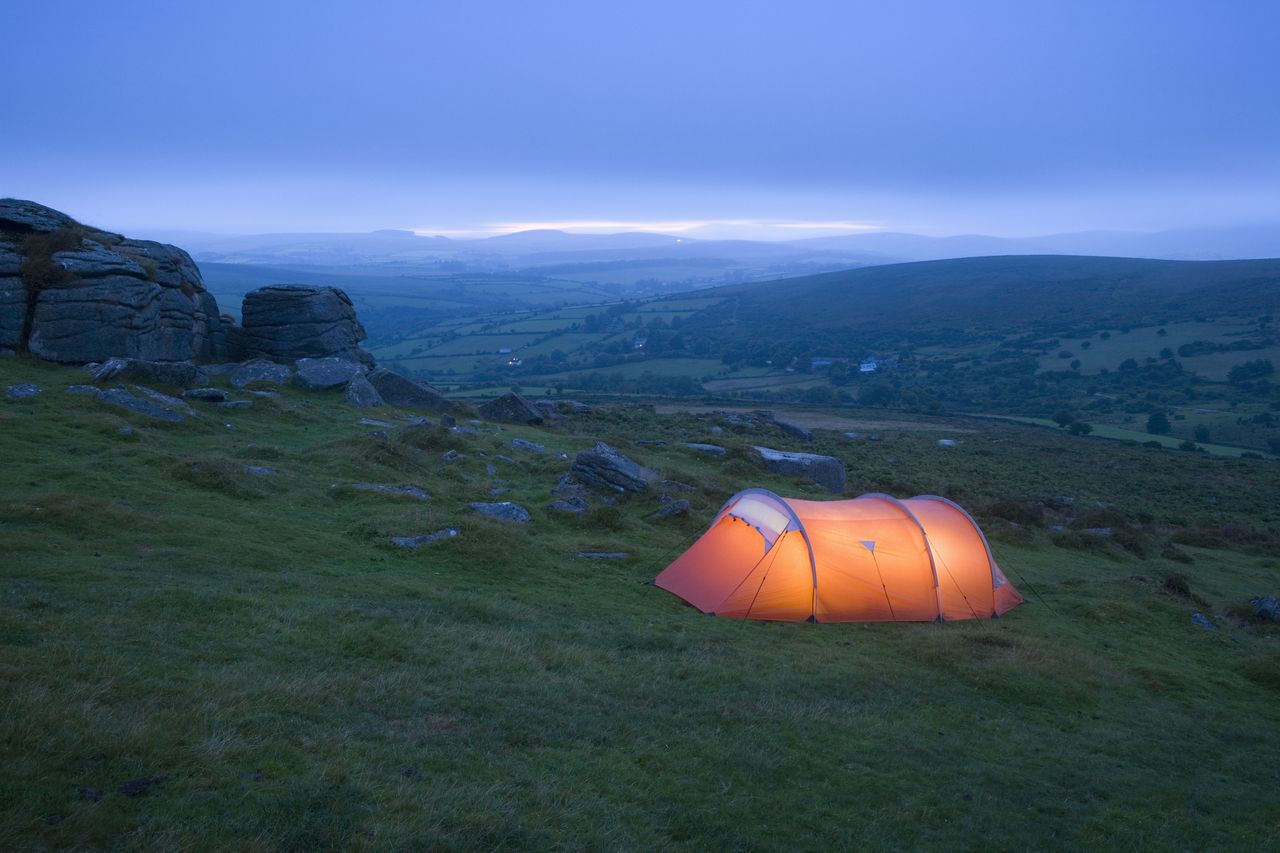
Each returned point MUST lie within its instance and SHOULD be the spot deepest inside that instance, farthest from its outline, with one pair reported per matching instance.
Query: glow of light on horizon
(676, 226)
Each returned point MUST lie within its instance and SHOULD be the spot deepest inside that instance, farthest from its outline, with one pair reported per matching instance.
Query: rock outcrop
(181, 374)
(320, 374)
(286, 322)
(75, 294)
(826, 471)
(511, 408)
(610, 470)
(397, 390)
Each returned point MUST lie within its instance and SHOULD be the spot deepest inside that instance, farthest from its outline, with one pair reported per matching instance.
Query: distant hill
(1003, 292)
(525, 250)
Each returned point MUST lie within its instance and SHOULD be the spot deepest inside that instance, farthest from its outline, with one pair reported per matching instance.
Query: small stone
(425, 423)
(1203, 621)
(504, 511)
(452, 456)
(22, 392)
(496, 491)
(236, 404)
(427, 539)
(375, 423)
(946, 442)
(717, 430)
(532, 447)
(83, 389)
(602, 555)
(126, 431)
(259, 470)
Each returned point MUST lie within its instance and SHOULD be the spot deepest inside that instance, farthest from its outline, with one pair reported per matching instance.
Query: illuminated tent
(874, 558)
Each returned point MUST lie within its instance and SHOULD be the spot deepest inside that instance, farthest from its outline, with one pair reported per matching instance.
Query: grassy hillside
(288, 679)
(1009, 292)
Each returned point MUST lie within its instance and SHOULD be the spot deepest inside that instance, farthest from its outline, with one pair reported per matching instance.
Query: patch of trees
(1250, 370)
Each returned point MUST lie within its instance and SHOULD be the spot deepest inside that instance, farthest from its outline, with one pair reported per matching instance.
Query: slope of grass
(299, 683)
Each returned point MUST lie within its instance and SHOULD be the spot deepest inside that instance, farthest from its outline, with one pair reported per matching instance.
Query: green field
(289, 680)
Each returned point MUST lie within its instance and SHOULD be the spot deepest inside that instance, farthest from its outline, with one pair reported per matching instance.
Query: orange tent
(874, 558)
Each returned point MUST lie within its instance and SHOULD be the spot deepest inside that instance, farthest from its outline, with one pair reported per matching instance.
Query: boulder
(673, 508)
(321, 374)
(361, 394)
(826, 471)
(793, 429)
(165, 400)
(511, 408)
(610, 470)
(180, 374)
(22, 392)
(397, 390)
(503, 511)
(286, 322)
(574, 506)
(120, 396)
(260, 370)
(206, 395)
(706, 449)
(387, 489)
(1267, 607)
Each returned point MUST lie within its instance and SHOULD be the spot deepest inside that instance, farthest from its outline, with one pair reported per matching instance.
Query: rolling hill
(1006, 292)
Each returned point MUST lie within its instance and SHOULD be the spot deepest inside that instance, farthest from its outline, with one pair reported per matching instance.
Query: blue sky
(713, 119)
